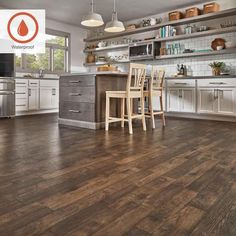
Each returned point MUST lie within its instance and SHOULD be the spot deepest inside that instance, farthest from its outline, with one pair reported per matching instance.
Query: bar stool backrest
(136, 78)
(157, 78)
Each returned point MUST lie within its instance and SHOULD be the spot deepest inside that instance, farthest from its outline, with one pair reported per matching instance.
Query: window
(55, 60)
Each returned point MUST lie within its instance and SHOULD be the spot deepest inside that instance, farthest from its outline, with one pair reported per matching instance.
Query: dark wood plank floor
(180, 180)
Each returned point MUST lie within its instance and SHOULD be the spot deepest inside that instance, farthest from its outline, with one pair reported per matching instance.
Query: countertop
(36, 78)
(204, 77)
(97, 73)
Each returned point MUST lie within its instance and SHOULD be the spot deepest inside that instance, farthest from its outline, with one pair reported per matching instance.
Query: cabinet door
(33, 98)
(55, 98)
(206, 100)
(226, 101)
(188, 100)
(22, 96)
(46, 98)
(173, 100)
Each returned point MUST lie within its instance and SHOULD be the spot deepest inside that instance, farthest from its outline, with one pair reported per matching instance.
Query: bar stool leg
(129, 115)
(163, 114)
(143, 113)
(152, 112)
(122, 112)
(107, 112)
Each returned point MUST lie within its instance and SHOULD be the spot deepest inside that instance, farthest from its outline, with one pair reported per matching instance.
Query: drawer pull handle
(20, 83)
(218, 83)
(74, 111)
(34, 83)
(75, 82)
(75, 94)
(20, 93)
(23, 105)
(181, 83)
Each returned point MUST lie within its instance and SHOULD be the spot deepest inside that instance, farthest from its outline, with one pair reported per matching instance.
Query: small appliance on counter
(7, 85)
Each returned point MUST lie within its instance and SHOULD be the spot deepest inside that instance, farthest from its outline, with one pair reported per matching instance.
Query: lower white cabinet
(217, 100)
(49, 98)
(226, 101)
(49, 94)
(33, 98)
(21, 95)
(181, 100)
(33, 95)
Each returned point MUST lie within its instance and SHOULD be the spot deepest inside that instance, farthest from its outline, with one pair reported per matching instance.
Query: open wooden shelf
(115, 47)
(190, 20)
(105, 63)
(197, 54)
(177, 37)
(198, 34)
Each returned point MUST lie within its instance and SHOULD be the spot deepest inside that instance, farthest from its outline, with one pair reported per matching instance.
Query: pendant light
(92, 19)
(115, 25)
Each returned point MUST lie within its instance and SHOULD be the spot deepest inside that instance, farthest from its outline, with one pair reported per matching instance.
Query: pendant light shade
(115, 25)
(92, 19)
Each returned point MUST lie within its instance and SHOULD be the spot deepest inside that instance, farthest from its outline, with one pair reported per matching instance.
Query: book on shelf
(167, 31)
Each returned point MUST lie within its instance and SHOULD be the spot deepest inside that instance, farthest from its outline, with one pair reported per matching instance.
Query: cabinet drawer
(80, 81)
(78, 94)
(181, 83)
(216, 83)
(21, 104)
(33, 83)
(77, 111)
(49, 83)
(21, 92)
(21, 82)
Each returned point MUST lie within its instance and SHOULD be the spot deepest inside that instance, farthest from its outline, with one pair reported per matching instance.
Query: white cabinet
(33, 98)
(21, 95)
(33, 95)
(188, 100)
(216, 97)
(49, 94)
(181, 96)
(226, 101)
(173, 99)
(206, 100)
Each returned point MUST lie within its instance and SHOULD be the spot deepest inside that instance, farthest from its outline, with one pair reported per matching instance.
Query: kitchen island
(82, 98)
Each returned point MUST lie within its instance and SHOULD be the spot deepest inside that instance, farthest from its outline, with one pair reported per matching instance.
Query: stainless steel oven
(142, 50)
(7, 97)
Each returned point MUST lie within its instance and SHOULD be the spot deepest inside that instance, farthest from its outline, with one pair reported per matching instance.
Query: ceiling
(71, 11)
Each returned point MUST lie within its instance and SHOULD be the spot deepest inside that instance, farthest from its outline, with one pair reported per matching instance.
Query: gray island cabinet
(82, 98)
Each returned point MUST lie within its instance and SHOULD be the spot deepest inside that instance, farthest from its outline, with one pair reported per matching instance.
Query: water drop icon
(22, 29)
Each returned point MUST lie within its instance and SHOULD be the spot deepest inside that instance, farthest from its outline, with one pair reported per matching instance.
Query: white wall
(77, 44)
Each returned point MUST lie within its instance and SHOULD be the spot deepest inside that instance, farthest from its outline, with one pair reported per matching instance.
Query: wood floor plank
(177, 180)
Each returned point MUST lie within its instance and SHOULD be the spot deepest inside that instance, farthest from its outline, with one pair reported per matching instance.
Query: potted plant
(217, 67)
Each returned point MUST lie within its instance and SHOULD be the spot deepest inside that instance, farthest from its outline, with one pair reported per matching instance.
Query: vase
(216, 71)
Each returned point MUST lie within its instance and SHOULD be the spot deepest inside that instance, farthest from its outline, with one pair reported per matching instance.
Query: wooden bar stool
(134, 90)
(155, 90)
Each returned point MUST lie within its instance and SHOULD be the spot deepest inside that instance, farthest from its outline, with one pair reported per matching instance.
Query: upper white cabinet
(181, 96)
(217, 96)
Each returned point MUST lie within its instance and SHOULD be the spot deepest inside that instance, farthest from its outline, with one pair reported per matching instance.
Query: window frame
(52, 47)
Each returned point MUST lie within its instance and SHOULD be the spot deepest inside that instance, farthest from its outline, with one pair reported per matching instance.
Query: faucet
(41, 73)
